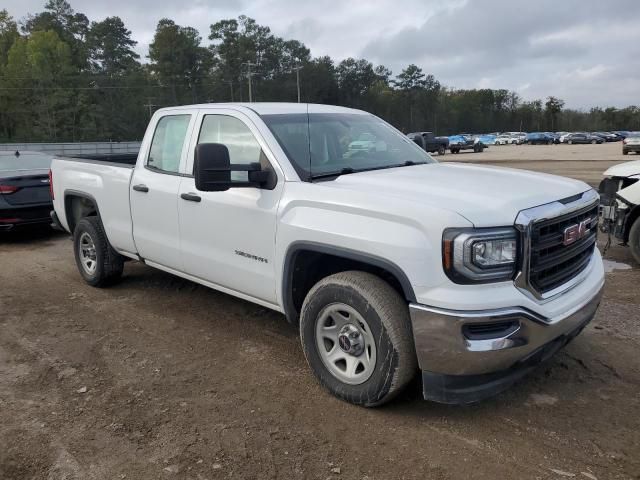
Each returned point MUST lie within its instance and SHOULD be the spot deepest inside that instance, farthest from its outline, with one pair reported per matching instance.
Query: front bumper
(631, 148)
(466, 356)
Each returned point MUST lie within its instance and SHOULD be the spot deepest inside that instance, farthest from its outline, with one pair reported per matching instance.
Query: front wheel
(593, 142)
(99, 264)
(442, 150)
(356, 336)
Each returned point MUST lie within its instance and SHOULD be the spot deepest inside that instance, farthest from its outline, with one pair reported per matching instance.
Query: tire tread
(392, 310)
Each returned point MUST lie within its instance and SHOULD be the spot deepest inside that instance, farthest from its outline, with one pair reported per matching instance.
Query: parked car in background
(539, 138)
(607, 136)
(429, 142)
(563, 137)
(555, 136)
(486, 139)
(622, 134)
(582, 138)
(631, 143)
(518, 138)
(24, 189)
(364, 143)
(503, 139)
(464, 142)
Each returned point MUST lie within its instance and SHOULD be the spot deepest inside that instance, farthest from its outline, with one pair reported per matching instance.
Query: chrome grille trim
(525, 222)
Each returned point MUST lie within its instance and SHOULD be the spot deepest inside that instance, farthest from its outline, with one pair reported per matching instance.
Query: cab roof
(268, 108)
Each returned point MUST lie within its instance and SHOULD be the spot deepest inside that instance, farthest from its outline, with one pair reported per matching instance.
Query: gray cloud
(584, 51)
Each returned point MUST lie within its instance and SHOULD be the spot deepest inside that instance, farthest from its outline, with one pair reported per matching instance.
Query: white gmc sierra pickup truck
(388, 261)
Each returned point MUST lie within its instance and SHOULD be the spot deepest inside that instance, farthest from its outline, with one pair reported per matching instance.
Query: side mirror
(212, 167)
(212, 170)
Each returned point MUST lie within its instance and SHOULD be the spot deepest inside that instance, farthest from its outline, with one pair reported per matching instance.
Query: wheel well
(307, 266)
(633, 216)
(77, 207)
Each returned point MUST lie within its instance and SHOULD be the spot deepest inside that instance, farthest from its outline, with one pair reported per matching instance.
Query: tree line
(66, 78)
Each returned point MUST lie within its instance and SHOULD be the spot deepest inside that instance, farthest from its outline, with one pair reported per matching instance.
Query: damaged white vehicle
(620, 205)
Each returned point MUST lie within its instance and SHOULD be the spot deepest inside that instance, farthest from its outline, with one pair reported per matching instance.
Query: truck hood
(486, 196)
(624, 169)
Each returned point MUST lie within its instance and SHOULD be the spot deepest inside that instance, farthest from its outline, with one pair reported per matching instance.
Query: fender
(76, 193)
(369, 259)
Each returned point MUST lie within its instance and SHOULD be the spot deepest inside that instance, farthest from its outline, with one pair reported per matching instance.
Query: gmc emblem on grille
(575, 232)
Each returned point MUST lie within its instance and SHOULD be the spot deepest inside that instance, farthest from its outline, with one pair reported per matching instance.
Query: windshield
(326, 144)
(25, 161)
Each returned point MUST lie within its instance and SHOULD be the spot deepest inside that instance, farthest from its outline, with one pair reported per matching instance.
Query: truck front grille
(554, 261)
(558, 243)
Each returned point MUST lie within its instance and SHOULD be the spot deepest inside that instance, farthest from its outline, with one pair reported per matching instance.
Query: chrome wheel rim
(87, 253)
(345, 343)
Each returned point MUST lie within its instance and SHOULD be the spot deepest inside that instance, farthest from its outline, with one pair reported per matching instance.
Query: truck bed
(119, 160)
(104, 179)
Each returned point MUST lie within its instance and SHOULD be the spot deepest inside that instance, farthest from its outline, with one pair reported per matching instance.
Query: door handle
(141, 188)
(191, 197)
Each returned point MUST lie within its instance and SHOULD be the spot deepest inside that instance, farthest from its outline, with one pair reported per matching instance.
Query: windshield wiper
(347, 170)
(342, 171)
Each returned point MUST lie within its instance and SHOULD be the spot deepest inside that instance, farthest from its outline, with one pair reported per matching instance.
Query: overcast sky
(584, 51)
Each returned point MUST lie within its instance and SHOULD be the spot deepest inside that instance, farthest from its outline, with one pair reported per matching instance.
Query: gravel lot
(584, 162)
(160, 378)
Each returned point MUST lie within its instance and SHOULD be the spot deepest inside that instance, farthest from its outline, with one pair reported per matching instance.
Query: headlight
(480, 255)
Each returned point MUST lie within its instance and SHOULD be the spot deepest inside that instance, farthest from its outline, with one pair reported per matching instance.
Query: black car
(25, 198)
(429, 142)
(606, 136)
(582, 138)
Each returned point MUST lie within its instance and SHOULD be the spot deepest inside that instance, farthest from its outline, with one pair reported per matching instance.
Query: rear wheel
(356, 336)
(634, 240)
(99, 264)
(593, 142)
(442, 150)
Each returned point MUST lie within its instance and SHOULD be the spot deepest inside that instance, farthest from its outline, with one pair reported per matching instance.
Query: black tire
(108, 263)
(387, 316)
(625, 152)
(593, 142)
(550, 142)
(570, 142)
(442, 150)
(634, 240)
(476, 148)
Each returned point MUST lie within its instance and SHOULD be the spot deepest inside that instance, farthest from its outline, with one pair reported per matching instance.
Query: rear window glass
(25, 161)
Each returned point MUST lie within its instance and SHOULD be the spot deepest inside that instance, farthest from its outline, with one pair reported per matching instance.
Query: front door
(228, 238)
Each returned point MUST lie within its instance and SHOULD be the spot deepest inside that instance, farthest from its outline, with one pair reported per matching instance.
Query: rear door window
(167, 144)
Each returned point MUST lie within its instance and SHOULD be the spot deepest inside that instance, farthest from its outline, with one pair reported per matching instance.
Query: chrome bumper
(445, 346)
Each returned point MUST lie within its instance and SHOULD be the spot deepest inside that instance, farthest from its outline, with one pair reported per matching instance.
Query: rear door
(154, 190)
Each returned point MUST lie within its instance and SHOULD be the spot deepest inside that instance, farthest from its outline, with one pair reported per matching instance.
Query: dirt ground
(159, 378)
(584, 162)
